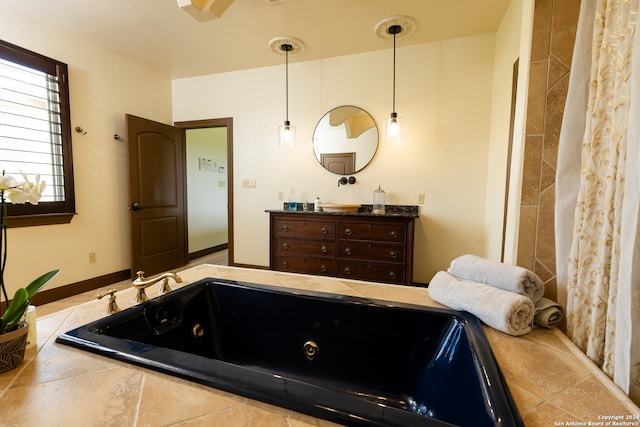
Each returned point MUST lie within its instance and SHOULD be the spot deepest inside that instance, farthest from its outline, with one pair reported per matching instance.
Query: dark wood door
(157, 200)
(340, 163)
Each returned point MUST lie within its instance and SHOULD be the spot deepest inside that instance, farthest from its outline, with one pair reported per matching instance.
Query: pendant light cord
(394, 30)
(286, 48)
(394, 72)
(287, 83)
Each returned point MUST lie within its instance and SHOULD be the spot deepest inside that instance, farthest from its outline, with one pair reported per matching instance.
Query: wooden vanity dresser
(358, 245)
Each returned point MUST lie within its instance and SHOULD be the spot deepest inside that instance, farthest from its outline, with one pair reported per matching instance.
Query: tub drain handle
(310, 349)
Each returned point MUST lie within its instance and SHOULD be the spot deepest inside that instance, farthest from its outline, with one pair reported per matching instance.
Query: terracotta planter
(12, 346)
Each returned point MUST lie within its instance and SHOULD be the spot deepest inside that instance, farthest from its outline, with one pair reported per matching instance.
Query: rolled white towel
(504, 276)
(505, 311)
(548, 313)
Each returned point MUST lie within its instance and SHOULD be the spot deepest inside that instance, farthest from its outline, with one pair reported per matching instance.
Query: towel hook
(117, 137)
(80, 130)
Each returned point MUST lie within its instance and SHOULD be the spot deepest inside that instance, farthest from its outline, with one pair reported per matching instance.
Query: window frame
(46, 213)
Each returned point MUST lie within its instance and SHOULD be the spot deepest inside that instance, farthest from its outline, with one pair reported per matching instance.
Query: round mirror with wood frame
(345, 140)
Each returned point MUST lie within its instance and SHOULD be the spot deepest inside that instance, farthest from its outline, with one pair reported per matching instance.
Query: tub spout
(140, 284)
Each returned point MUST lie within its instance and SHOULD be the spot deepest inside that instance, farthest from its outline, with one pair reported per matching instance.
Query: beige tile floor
(216, 258)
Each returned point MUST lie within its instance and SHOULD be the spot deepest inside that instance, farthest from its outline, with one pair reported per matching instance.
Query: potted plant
(13, 331)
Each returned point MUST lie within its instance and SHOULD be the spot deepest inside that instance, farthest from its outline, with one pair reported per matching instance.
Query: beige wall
(512, 43)
(444, 93)
(206, 190)
(555, 23)
(103, 88)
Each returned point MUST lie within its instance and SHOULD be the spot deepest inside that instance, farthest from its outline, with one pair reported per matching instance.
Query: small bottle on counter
(378, 201)
(316, 205)
(293, 203)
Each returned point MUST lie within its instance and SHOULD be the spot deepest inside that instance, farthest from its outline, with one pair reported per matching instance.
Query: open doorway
(209, 169)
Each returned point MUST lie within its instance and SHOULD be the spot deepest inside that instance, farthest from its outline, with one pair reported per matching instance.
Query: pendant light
(287, 46)
(395, 27)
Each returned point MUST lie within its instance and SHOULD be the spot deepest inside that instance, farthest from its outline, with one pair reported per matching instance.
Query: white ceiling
(160, 36)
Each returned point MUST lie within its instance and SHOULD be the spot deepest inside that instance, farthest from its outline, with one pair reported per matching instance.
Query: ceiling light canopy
(406, 23)
(205, 10)
(276, 43)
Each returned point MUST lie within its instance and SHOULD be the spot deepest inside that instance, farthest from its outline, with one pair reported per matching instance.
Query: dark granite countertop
(394, 211)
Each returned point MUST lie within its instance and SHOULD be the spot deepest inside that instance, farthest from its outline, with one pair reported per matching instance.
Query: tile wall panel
(555, 23)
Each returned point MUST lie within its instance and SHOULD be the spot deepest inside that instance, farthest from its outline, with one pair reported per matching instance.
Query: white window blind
(35, 133)
(31, 126)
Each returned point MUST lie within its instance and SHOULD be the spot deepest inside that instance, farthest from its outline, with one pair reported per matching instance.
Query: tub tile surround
(550, 380)
(554, 31)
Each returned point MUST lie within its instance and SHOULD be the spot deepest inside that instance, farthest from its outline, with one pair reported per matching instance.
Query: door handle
(135, 206)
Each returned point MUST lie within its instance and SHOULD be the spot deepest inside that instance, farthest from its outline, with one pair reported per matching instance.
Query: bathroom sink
(340, 207)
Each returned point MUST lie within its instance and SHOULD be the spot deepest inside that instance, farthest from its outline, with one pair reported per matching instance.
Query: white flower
(20, 193)
(33, 191)
(7, 182)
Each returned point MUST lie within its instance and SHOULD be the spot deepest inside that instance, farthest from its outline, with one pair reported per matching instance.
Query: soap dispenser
(316, 205)
(378, 201)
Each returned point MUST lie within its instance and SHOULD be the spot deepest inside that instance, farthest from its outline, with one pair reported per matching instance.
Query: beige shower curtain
(597, 188)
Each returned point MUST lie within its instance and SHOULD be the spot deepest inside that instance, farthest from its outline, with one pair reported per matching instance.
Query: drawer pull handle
(394, 234)
(285, 264)
(347, 270)
(392, 275)
(285, 227)
(324, 230)
(348, 232)
(323, 268)
(393, 254)
(324, 249)
(347, 251)
(285, 246)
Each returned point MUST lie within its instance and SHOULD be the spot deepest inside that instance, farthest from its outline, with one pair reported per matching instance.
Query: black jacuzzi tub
(354, 361)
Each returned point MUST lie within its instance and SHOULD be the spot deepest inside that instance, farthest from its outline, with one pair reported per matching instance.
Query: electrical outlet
(421, 199)
(92, 257)
(280, 196)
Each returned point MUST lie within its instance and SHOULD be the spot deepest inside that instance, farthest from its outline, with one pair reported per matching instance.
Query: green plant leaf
(39, 283)
(20, 302)
(15, 321)
(15, 310)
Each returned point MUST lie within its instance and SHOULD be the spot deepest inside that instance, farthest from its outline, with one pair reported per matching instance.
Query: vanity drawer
(304, 228)
(305, 247)
(377, 272)
(319, 266)
(382, 232)
(371, 251)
